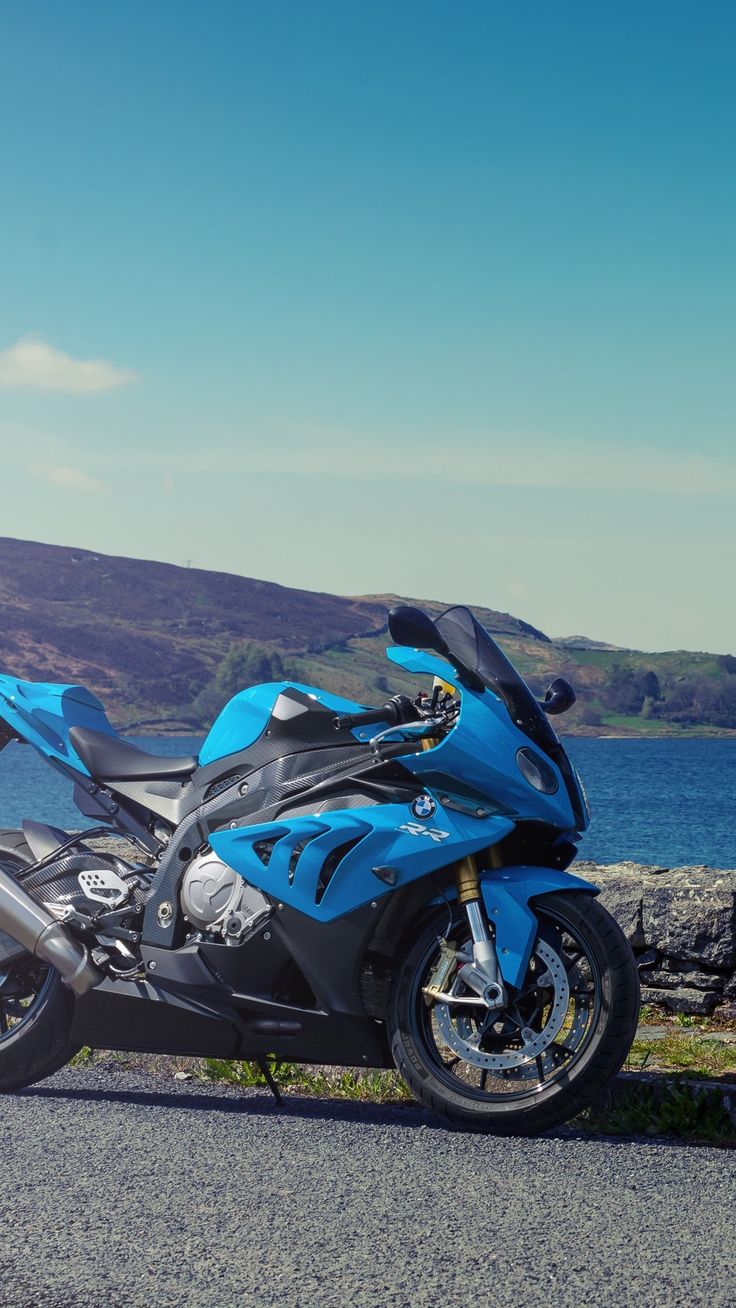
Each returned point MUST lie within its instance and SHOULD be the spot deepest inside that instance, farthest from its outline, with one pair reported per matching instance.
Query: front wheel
(549, 1053)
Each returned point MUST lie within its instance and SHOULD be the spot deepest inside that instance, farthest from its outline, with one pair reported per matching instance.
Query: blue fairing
(480, 748)
(287, 858)
(507, 894)
(42, 714)
(246, 716)
(385, 835)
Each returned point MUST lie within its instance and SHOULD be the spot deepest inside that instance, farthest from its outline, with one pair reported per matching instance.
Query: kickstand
(270, 1081)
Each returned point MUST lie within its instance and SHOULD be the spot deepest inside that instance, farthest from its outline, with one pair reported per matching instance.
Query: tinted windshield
(472, 645)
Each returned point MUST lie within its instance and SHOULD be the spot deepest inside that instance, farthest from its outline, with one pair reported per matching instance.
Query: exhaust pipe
(37, 931)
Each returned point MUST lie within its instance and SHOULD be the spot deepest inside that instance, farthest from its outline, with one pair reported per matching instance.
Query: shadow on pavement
(255, 1101)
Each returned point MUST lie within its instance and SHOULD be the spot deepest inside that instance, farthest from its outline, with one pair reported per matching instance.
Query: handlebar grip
(386, 714)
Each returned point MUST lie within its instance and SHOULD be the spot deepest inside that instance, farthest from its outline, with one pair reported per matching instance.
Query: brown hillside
(149, 636)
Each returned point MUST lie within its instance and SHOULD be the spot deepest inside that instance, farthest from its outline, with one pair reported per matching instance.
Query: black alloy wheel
(551, 1051)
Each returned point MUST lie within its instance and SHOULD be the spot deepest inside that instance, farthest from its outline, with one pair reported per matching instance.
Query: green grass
(634, 722)
(681, 1052)
(683, 1111)
(246, 1074)
(371, 1085)
(83, 1058)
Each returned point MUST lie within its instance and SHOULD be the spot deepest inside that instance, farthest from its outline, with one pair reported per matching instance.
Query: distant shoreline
(691, 733)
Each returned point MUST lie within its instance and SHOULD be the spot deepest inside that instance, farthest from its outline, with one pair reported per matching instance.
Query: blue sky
(432, 298)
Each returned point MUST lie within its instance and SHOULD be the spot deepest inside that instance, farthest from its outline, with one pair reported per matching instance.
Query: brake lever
(428, 724)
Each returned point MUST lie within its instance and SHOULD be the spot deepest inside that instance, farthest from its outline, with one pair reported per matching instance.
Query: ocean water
(669, 802)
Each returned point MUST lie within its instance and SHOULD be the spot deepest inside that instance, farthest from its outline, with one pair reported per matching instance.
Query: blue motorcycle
(324, 883)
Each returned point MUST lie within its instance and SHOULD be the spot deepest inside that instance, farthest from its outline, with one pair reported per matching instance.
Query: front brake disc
(458, 1031)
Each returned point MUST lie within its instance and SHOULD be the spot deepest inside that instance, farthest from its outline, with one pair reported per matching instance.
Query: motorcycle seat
(112, 759)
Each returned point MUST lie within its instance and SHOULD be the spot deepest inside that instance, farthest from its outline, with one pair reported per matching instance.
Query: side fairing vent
(219, 787)
(298, 860)
(324, 863)
(330, 866)
(263, 849)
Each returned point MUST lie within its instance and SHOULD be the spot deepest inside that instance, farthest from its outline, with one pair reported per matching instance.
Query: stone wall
(681, 924)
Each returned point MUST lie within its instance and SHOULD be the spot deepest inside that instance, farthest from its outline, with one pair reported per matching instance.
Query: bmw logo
(423, 807)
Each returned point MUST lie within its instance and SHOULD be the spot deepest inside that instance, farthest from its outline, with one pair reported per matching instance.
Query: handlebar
(398, 709)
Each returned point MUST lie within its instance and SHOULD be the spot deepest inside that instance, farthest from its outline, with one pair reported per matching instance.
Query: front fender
(507, 894)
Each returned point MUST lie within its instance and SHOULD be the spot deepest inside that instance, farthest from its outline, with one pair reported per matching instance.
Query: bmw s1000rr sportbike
(324, 883)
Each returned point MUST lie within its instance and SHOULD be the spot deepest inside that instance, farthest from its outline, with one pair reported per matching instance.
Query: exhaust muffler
(37, 931)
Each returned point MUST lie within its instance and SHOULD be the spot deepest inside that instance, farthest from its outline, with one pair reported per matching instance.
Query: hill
(164, 646)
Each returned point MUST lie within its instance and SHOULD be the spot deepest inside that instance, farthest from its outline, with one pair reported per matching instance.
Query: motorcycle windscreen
(473, 646)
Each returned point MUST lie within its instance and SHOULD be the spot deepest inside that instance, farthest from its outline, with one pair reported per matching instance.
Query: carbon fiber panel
(258, 805)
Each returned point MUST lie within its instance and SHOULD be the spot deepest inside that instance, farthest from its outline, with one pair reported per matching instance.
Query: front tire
(36, 1008)
(471, 1067)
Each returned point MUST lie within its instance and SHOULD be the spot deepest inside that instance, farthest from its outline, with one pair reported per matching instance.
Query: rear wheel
(36, 1009)
(538, 1062)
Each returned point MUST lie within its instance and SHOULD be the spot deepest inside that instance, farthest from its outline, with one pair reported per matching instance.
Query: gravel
(122, 1190)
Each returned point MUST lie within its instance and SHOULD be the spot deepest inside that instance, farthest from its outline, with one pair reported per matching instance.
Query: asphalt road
(125, 1191)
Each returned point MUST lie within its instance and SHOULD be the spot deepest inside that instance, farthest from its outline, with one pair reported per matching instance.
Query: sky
(430, 297)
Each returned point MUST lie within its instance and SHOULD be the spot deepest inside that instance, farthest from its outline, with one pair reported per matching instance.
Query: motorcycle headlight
(537, 771)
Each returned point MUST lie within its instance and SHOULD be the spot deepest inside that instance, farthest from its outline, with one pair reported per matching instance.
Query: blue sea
(669, 802)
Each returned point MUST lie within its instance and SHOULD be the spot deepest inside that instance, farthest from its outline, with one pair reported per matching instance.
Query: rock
(681, 924)
(682, 1000)
(182, 1076)
(691, 915)
(687, 978)
(596, 871)
(622, 896)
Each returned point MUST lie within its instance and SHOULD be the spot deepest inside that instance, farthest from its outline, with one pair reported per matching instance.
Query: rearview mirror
(409, 626)
(559, 698)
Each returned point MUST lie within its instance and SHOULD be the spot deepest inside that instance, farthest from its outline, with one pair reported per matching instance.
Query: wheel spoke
(19, 994)
(483, 1048)
(14, 1008)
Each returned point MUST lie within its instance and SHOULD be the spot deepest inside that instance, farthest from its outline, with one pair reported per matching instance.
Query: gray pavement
(121, 1190)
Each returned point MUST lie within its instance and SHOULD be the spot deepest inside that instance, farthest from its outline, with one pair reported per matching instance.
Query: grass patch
(238, 1071)
(683, 1052)
(83, 1058)
(363, 1084)
(369, 1085)
(683, 1111)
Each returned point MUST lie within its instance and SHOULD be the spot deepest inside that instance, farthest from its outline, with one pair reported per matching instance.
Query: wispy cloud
(33, 364)
(459, 460)
(486, 459)
(73, 479)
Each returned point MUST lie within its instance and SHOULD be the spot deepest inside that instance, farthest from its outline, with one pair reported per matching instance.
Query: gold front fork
(484, 976)
(467, 879)
(466, 875)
